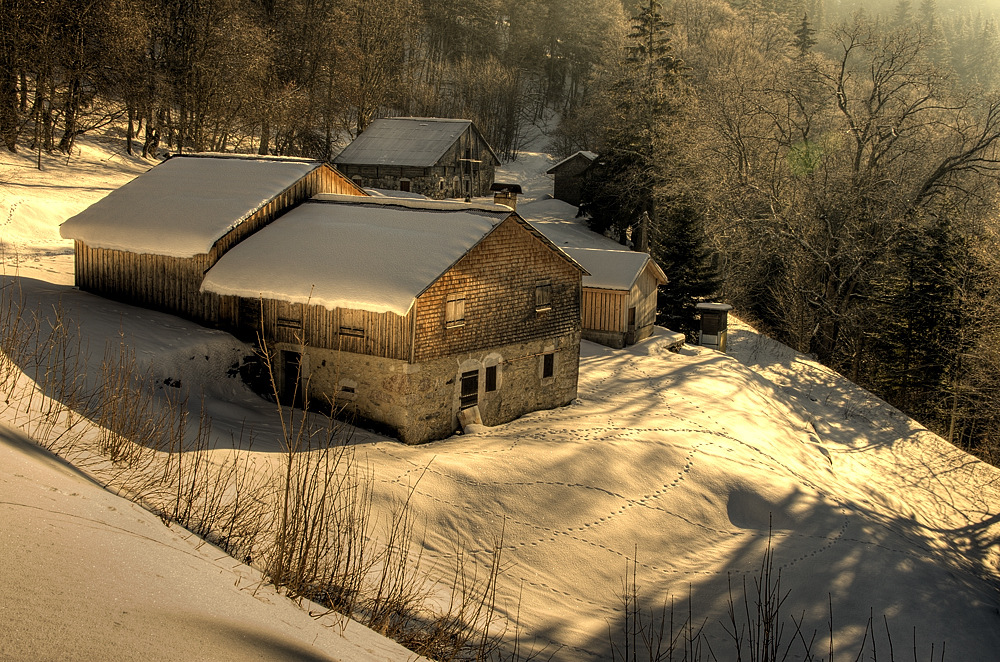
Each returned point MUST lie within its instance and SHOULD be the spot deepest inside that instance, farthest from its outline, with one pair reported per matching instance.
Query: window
(543, 295)
(548, 365)
(454, 313)
(470, 389)
(352, 332)
(491, 378)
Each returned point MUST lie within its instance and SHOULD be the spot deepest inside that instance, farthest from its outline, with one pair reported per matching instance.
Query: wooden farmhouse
(151, 241)
(435, 157)
(619, 295)
(568, 175)
(409, 312)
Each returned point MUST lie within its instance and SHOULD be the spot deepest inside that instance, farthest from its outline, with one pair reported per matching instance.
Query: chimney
(506, 194)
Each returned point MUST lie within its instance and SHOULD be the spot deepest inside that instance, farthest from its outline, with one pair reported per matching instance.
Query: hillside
(688, 462)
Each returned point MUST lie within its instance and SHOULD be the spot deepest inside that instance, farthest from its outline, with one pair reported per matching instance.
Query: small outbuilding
(569, 174)
(619, 295)
(150, 242)
(714, 328)
(410, 313)
(435, 157)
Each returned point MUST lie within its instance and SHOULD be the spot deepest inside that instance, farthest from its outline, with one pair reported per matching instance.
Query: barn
(150, 242)
(409, 312)
(568, 175)
(619, 295)
(435, 157)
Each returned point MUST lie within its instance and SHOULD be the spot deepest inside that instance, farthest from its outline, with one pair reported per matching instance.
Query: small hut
(619, 295)
(435, 157)
(568, 175)
(409, 312)
(151, 241)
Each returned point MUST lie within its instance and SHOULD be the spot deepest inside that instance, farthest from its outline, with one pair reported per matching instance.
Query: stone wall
(421, 401)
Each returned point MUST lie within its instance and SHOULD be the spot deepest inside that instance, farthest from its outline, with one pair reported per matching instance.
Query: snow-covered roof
(418, 142)
(590, 156)
(181, 207)
(335, 252)
(613, 270)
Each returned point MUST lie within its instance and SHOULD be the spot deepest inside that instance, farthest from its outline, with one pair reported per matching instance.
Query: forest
(828, 167)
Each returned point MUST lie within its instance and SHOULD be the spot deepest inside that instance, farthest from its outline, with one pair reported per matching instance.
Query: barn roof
(582, 154)
(417, 142)
(614, 270)
(181, 207)
(377, 255)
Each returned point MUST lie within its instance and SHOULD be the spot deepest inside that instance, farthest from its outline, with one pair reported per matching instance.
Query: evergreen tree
(620, 193)
(681, 249)
(804, 40)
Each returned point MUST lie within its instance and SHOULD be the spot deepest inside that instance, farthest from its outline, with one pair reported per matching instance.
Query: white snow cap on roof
(181, 207)
(612, 270)
(334, 252)
(418, 142)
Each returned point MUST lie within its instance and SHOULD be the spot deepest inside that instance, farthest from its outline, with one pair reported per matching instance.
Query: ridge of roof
(243, 157)
(591, 156)
(410, 203)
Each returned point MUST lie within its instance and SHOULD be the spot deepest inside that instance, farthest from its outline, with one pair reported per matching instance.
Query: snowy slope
(684, 461)
(87, 575)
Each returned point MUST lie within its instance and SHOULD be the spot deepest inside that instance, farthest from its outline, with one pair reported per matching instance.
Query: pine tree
(619, 194)
(681, 249)
(804, 40)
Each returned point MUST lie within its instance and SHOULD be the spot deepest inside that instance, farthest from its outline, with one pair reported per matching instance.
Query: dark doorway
(291, 369)
(470, 389)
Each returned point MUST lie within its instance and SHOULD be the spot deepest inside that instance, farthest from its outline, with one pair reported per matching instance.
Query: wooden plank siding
(604, 310)
(173, 284)
(642, 296)
(386, 335)
(498, 278)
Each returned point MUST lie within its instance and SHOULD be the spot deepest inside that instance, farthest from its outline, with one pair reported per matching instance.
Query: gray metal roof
(418, 142)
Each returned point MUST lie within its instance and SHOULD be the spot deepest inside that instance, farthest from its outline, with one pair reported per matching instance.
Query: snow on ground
(87, 575)
(34, 202)
(686, 461)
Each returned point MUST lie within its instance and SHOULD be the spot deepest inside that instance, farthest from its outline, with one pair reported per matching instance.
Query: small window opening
(543, 295)
(352, 332)
(347, 389)
(548, 365)
(491, 378)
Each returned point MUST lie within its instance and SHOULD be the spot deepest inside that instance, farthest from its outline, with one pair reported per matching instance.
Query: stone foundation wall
(421, 401)
(613, 339)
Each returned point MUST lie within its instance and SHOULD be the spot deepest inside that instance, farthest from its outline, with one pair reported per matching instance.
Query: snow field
(686, 462)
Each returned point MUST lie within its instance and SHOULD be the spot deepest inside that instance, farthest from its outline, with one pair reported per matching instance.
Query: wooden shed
(151, 241)
(409, 312)
(435, 157)
(619, 295)
(568, 175)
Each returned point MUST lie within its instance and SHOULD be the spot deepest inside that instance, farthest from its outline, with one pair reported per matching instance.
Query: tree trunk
(8, 111)
(130, 133)
(70, 112)
(265, 138)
